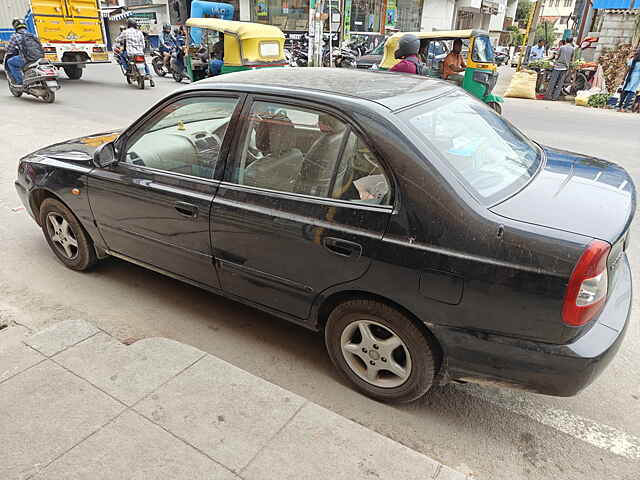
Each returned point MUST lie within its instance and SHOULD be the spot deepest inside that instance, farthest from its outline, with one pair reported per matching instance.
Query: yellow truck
(70, 31)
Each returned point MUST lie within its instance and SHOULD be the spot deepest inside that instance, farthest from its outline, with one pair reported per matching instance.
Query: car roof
(244, 30)
(391, 90)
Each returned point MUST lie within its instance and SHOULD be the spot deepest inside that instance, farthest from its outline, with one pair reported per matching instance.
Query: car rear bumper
(561, 370)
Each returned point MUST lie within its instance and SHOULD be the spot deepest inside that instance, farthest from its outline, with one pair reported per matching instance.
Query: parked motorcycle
(134, 71)
(342, 58)
(40, 79)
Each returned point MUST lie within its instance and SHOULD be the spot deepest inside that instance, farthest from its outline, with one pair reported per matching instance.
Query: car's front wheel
(65, 235)
(381, 351)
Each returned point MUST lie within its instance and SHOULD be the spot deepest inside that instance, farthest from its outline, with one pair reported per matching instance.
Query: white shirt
(537, 53)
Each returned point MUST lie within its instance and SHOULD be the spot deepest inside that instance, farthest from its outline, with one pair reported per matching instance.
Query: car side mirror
(105, 155)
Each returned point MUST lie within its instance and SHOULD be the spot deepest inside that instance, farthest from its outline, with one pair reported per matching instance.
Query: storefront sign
(262, 9)
(489, 8)
(392, 14)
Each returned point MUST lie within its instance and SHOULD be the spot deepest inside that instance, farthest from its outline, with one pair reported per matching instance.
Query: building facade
(560, 14)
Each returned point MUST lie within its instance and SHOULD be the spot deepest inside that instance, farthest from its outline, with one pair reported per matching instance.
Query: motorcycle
(174, 68)
(342, 58)
(135, 71)
(40, 79)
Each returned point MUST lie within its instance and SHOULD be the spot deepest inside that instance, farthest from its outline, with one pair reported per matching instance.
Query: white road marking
(597, 434)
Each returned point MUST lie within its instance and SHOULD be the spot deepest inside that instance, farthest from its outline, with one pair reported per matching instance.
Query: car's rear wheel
(65, 235)
(381, 351)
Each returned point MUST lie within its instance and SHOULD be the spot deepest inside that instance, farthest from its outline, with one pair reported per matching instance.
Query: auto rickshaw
(245, 46)
(481, 74)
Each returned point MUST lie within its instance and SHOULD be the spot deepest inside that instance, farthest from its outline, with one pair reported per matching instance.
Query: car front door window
(184, 137)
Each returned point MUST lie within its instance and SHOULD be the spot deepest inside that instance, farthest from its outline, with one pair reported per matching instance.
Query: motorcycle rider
(167, 43)
(134, 44)
(24, 47)
(407, 52)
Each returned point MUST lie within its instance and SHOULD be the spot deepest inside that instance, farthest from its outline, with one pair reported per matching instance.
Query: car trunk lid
(578, 194)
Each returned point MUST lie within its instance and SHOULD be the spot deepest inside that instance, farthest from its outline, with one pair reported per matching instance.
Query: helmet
(131, 23)
(122, 28)
(166, 28)
(18, 23)
(408, 45)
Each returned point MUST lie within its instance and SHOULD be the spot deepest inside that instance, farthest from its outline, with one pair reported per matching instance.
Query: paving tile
(349, 452)
(226, 412)
(128, 372)
(17, 358)
(60, 336)
(44, 412)
(447, 473)
(133, 448)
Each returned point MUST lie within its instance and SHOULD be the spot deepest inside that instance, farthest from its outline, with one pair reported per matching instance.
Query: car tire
(393, 361)
(66, 236)
(73, 72)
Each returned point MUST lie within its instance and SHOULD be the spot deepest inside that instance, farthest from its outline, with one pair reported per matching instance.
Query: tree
(523, 11)
(515, 36)
(546, 31)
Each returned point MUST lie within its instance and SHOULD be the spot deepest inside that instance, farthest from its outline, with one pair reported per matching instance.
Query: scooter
(40, 80)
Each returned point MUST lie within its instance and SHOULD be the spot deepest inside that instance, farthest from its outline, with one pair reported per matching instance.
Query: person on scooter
(24, 47)
(407, 52)
(167, 43)
(134, 43)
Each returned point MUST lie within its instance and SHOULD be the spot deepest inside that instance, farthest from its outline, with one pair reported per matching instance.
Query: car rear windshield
(488, 154)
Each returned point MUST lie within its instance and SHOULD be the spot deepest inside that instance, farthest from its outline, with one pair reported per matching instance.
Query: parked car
(423, 234)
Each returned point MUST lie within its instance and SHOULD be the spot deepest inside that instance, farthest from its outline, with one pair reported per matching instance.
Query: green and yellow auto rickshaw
(242, 46)
(480, 75)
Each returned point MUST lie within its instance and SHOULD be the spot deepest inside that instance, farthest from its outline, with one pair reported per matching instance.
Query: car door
(303, 206)
(154, 205)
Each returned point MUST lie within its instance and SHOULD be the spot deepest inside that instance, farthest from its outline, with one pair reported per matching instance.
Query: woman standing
(631, 83)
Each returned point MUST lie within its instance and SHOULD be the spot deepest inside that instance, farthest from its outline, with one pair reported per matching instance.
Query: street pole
(528, 39)
(330, 37)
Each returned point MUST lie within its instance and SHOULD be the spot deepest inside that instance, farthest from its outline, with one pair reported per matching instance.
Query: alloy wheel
(376, 354)
(62, 235)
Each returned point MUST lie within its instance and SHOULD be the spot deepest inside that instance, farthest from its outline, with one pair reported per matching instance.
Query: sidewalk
(77, 404)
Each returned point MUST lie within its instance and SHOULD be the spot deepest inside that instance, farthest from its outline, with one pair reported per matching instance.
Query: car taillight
(587, 289)
(138, 59)
(98, 50)
(49, 49)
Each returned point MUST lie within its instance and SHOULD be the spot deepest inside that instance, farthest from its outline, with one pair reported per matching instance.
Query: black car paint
(438, 254)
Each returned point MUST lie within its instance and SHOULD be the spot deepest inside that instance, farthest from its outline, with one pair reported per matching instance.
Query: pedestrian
(407, 52)
(537, 51)
(561, 66)
(631, 82)
(24, 48)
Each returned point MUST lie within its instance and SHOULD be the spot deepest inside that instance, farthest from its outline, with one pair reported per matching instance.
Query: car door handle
(186, 209)
(343, 248)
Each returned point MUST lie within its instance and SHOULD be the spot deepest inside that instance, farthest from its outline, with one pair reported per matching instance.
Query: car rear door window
(184, 137)
(299, 150)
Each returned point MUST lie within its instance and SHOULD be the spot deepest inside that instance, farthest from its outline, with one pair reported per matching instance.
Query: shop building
(501, 21)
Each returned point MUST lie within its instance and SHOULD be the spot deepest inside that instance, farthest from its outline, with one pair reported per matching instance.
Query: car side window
(359, 176)
(299, 150)
(184, 137)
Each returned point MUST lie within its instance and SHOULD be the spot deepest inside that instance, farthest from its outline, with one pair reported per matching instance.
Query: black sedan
(426, 237)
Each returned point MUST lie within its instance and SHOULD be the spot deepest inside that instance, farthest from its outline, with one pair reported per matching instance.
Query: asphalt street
(480, 430)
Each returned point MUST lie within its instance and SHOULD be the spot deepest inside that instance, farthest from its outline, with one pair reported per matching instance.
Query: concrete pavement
(75, 403)
(485, 432)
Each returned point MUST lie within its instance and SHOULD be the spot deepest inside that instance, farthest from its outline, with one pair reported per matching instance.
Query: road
(481, 430)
